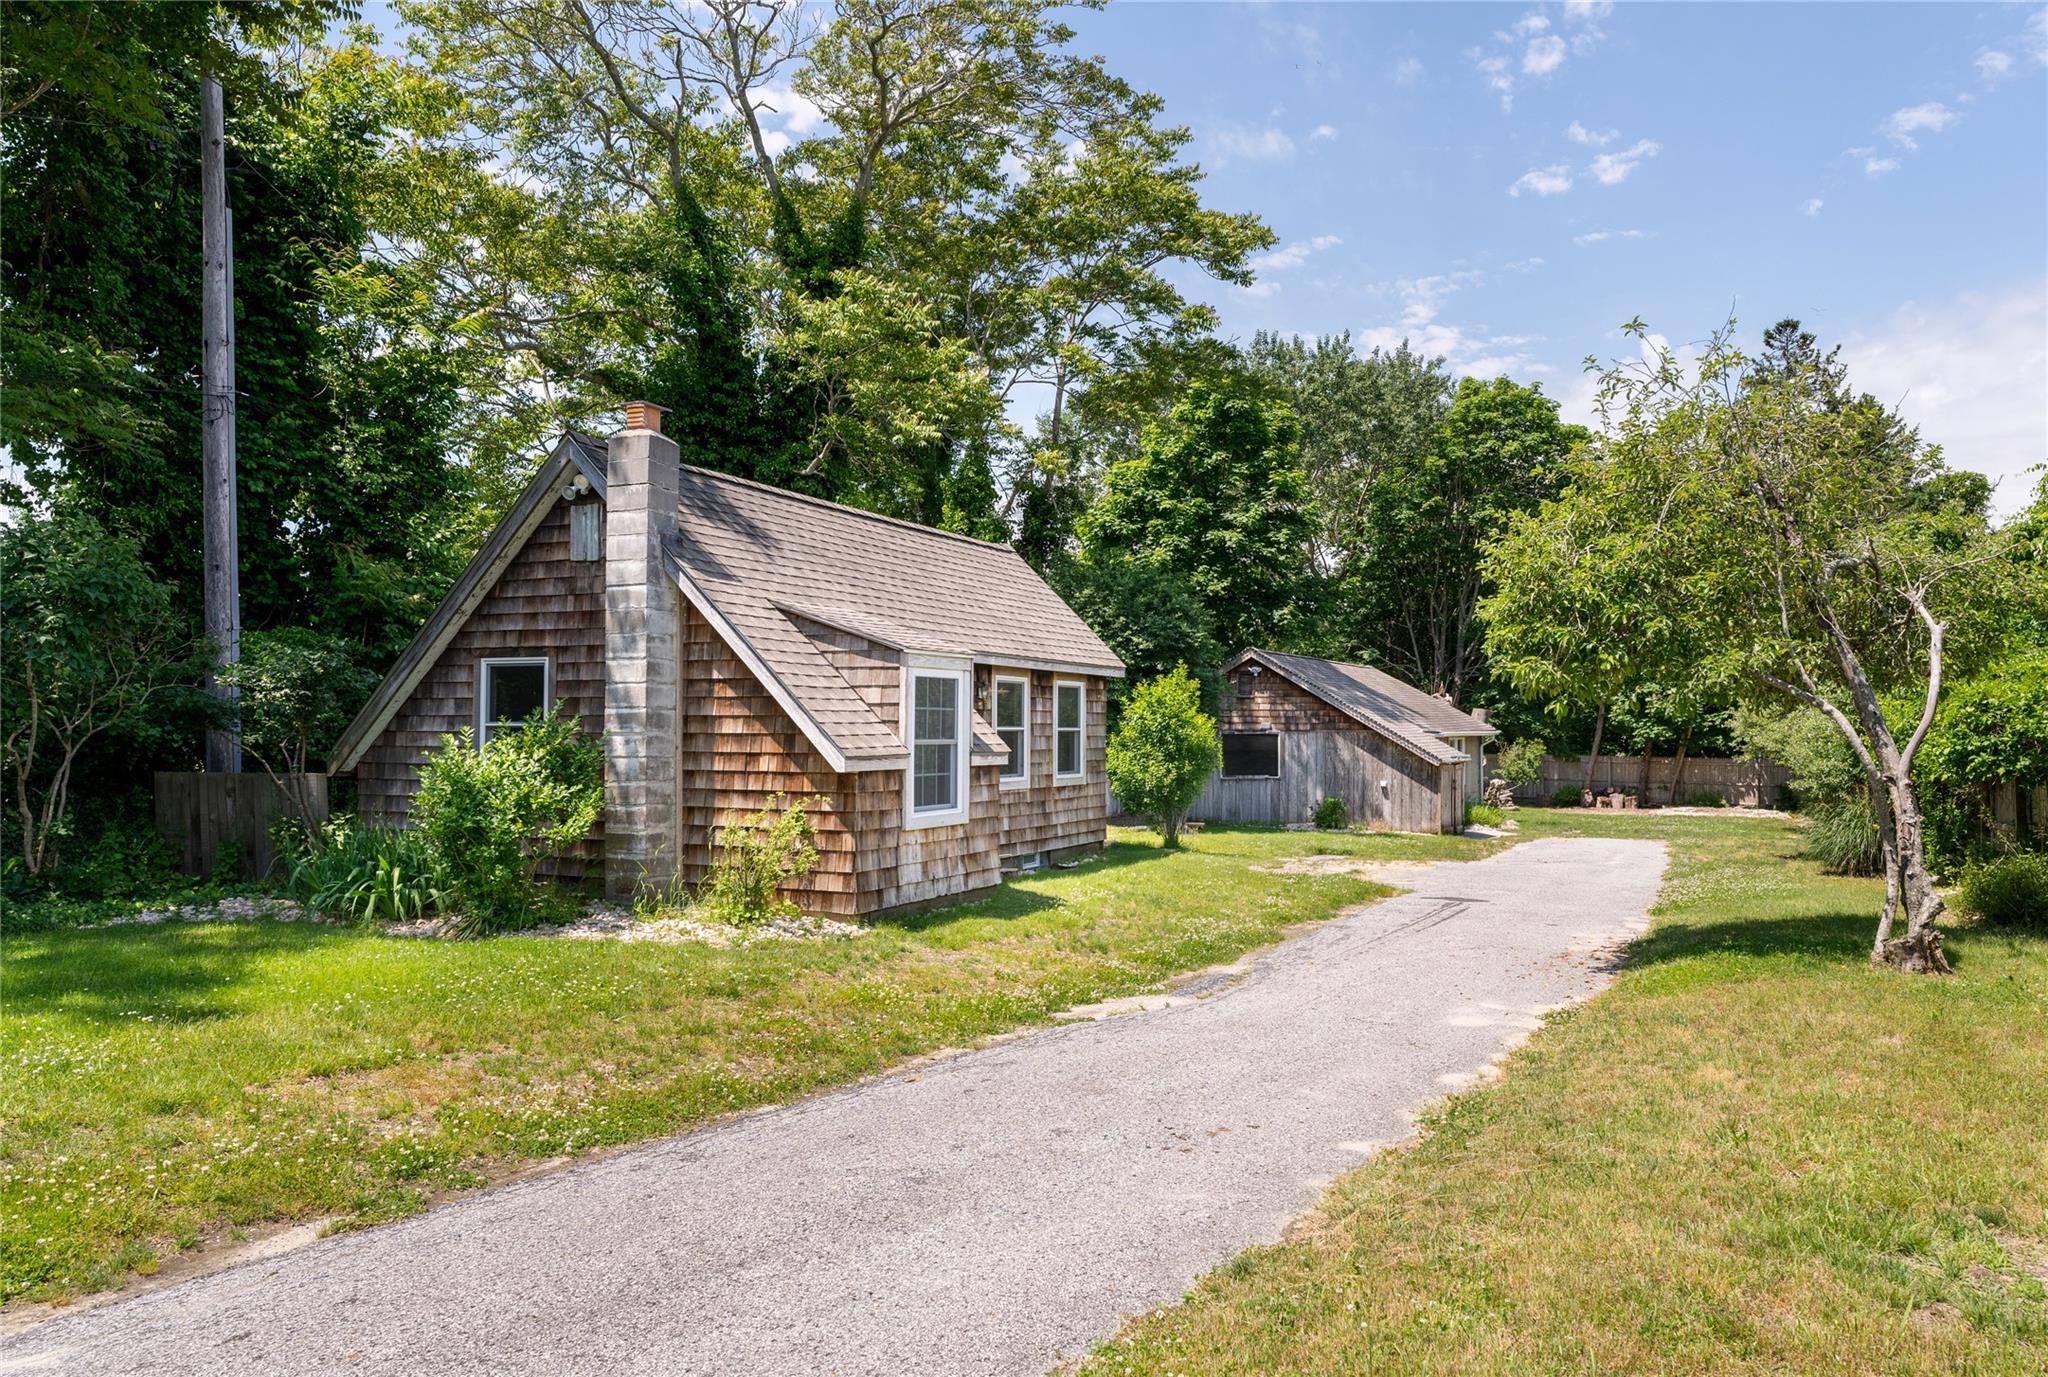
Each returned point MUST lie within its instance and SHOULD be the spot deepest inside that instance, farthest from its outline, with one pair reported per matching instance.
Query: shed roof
(1420, 721)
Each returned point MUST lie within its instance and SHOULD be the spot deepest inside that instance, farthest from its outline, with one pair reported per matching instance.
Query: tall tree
(1784, 529)
(341, 418)
(1216, 500)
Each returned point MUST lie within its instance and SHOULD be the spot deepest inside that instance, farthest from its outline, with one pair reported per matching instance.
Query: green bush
(1330, 815)
(1842, 835)
(362, 874)
(757, 855)
(1568, 796)
(1484, 815)
(1710, 798)
(1521, 762)
(1163, 752)
(1991, 727)
(2009, 890)
(492, 814)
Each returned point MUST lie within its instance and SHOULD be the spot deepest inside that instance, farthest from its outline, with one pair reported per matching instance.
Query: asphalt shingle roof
(1420, 721)
(761, 554)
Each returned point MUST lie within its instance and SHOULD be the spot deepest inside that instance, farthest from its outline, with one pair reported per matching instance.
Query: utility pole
(223, 578)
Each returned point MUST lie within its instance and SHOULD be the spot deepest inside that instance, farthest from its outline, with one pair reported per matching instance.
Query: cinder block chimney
(642, 630)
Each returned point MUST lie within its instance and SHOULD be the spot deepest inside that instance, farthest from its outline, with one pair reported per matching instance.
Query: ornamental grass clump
(493, 813)
(757, 855)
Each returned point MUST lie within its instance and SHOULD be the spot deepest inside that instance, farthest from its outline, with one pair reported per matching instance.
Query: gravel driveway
(995, 1212)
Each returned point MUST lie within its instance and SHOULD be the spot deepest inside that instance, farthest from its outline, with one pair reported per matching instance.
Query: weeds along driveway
(994, 1212)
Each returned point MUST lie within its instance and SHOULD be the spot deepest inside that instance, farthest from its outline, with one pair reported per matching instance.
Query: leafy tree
(1163, 751)
(92, 643)
(1362, 417)
(1521, 762)
(1991, 727)
(297, 690)
(1217, 501)
(1413, 577)
(1152, 623)
(1777, 535)
(341, 415)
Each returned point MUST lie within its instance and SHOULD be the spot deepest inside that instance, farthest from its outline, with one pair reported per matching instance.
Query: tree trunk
(1919, 951)
(1169, 831)
(1678, 770)
(1593, 756)
(1649, 763)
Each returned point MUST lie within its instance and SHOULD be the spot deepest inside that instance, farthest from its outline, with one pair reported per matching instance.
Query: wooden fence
(1744, 783)
(200, 813)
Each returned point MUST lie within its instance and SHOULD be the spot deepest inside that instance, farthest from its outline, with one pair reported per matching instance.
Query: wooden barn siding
(544, 604)
(1325, 753)
(1044, 816)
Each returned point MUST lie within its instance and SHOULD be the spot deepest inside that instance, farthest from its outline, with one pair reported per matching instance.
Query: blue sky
(1505, 184)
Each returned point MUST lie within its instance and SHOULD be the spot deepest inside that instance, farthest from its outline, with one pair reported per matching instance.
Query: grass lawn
(1754, 1154)
(163, 1087)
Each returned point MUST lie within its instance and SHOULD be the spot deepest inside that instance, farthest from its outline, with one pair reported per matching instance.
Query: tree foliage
(1163, 751)
(1753, 521)
(90, 642)
(1216, 501)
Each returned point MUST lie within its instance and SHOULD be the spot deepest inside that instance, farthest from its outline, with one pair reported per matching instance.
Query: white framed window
(1013, 724)
(1069, 730)
(510, 689)
(935, 718)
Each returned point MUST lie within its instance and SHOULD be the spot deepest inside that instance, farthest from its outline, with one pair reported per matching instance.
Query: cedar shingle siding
(544, 604)
(798, 621)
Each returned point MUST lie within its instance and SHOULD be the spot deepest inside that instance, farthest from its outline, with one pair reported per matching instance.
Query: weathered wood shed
(1298, 730)
(733, 642)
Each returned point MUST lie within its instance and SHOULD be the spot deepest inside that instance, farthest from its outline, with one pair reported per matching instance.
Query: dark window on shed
(1251, 755)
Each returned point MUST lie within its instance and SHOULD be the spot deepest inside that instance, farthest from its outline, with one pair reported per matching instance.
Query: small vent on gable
(586, 530)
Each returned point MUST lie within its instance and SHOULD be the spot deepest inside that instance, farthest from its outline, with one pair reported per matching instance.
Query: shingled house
(732, 641)
(1298, 730)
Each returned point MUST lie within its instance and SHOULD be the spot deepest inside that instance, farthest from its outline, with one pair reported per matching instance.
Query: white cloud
(798, 112)
(1554, 180)
(1253, 145)
(1498, 79)
(1993, 66)
(1586, 11)
(1813, 205)
(1408, 71)
(1543, 55)
(1972, 374)
(2036, 37)
(1322, 133)
(1928, 117)
(1612, 169)
(1468, 352)
(1531, 23)
(1603, 235)
(1597, 138)
(1295, 254)
(1877, 167)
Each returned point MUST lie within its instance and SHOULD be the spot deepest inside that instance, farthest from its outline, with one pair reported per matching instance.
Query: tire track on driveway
(997, 1212)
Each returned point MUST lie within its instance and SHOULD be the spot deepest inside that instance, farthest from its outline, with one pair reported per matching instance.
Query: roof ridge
(794, 495)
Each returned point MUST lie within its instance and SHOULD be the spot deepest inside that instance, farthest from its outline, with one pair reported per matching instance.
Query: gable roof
(753, 558)
(571, 455)
(1420, 721)
(757, 557)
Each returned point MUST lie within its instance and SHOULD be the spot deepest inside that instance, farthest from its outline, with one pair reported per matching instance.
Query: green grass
(1754, 1154)
(164, 1087)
